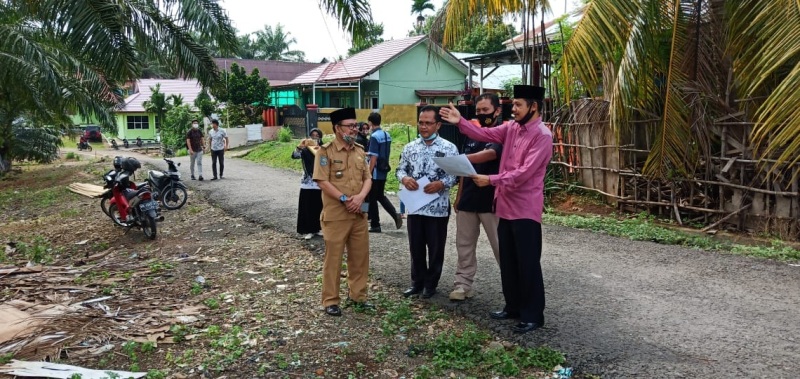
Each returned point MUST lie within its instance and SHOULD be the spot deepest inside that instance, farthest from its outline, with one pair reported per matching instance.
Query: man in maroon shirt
(518, 201)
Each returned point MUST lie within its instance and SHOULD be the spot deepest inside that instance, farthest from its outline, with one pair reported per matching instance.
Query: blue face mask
(432, 137)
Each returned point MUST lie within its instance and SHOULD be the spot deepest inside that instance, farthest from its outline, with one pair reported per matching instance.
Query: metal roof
(277, 72)
(188, 89)
(368, 61)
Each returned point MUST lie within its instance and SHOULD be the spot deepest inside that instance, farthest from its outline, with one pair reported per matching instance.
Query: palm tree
(355, 16)
(685, 62)
(455, 19)
(62, 57)
(419, 6)
(157, 104)
(275, 44)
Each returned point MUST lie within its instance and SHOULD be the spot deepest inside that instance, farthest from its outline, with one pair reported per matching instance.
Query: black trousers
(520, 268)
(426, 239)
(217, 154)
(376, 195)
(309, 208)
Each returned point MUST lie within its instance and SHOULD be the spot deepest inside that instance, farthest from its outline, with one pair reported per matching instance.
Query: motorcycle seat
(131, 193)
(156, 174)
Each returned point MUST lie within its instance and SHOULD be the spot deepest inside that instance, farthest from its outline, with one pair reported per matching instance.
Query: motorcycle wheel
(88, 147)
(149, 226)
(174, 198)
(113, 212)
(104, 206)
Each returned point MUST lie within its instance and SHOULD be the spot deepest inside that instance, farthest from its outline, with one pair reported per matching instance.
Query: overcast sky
(317, 34)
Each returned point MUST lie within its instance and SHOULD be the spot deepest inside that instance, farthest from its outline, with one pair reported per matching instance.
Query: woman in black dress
(310, 204)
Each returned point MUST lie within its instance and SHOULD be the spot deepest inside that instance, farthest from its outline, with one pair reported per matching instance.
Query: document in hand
(457, 165)
(414, 200)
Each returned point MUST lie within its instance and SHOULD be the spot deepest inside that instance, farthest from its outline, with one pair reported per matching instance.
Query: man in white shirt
(218, 139)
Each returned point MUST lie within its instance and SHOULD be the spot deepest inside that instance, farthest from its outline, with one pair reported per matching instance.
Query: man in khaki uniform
(341, 171)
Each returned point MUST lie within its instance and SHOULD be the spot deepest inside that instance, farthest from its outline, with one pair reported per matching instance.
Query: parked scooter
(167, 186)
(138, 142)
(125, 143)
(114, 144)
(130, 205)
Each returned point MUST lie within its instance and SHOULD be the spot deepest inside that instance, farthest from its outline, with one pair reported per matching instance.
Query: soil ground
(214, 295)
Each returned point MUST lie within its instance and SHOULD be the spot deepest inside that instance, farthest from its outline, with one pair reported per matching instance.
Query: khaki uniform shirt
(347, 170)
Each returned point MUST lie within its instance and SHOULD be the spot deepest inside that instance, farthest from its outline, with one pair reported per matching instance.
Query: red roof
(277, 72)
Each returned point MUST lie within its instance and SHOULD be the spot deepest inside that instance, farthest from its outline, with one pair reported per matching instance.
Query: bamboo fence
(729, 188)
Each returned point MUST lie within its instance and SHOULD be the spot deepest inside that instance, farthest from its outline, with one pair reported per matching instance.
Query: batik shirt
(417, 162)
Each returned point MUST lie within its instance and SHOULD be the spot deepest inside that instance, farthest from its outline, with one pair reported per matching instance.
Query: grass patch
(644, 227)
(279, 154)
(467, 350)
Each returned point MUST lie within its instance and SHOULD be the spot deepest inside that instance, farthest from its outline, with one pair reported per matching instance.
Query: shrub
(285, 135)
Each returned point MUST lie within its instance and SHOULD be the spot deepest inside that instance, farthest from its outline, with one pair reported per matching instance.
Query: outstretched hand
(450, 114)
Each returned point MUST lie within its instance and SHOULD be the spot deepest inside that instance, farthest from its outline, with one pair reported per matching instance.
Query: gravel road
(616, 308)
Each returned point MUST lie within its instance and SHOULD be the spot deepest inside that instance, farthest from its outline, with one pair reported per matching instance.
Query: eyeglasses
(426, 123)
(351, 126)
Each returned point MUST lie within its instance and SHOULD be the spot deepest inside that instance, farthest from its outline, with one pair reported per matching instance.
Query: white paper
(457, 165)
(414, 200)
(61, 371)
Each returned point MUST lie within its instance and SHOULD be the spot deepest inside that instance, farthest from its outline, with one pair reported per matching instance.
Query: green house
(132, 118)
(403, 71)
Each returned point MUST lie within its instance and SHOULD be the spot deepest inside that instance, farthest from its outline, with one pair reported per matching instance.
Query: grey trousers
(468, 228)
(197, 157)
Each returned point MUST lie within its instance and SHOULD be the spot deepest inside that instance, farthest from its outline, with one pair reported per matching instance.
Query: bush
(176, 123)
(182, 152)
(285, 134)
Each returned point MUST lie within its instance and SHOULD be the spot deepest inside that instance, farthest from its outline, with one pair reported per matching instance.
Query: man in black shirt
(474, 205)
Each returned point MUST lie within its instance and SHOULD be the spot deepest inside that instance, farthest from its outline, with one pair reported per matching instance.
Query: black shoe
(333, 310)
(214, 178)
(427, 294)
(193, 177)
(398, 221)
(221, 177)
(201, 179)
(376, 229)
(503, 315)
(412, 291)
(525, 327)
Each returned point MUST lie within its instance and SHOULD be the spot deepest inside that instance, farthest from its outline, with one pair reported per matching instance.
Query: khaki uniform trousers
(338, 235)
(467, 231)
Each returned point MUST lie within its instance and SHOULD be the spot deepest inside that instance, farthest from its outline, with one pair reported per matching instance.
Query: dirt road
(617, 308)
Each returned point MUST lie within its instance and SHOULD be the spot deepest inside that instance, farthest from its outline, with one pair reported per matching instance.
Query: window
(374, 103)
(138, 122)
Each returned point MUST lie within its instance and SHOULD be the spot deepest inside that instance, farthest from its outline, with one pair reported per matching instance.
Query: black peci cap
(343, 114)
(528, 92)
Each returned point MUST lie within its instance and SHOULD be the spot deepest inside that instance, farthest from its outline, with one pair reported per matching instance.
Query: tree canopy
(244, 95)
(65, 57)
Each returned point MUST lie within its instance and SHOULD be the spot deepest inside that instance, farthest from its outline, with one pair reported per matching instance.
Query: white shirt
(217, 139)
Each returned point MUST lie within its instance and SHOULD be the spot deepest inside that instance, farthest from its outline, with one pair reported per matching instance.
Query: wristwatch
(343, 198)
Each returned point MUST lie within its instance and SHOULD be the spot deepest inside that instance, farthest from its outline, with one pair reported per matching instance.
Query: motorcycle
(138, 142)
(83, 145)
(167, 186)
(125, 143)
(114, 144)
(131, 205)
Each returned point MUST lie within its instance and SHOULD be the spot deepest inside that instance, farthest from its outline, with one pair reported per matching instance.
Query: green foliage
(285, 135)
(467, 351)
(485, 38)
(157, 103)
(176, 124)
(398, 318)
(6, 358)
(508, 86)
(72, 155)
(374, 37)
(644, 228)
(211, 303)
(36, 144)
(156, 374)
(245, 96)
(276, 154)
(38, 250)
(49, 71)
(205, 104)
(275, 45)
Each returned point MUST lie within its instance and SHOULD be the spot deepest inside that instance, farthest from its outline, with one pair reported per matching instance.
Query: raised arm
(453, 116)
(541, 150)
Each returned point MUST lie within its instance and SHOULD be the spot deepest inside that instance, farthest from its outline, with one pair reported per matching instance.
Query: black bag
(383, 164)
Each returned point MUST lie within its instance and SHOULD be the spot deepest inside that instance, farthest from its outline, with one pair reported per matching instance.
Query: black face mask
(486, 120)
